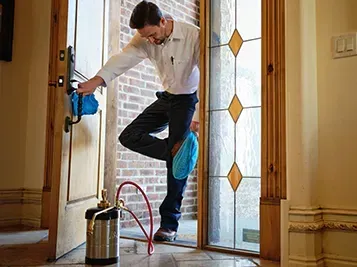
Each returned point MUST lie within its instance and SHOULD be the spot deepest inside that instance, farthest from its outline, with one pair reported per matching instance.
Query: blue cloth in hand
(186, 158)
(89, 104)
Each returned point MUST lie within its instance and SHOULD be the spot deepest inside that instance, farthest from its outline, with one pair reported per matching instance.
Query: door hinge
(270, 68)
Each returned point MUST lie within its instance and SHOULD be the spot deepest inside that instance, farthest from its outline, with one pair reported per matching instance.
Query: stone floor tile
(265, 263)
(74, 257)
(155, 260)
(141, 248)
(191, 256)
(223, 256)
(127, 243)
(217, 263)
(23, 237)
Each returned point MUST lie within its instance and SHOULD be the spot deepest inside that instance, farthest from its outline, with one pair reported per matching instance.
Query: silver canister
(103, 235)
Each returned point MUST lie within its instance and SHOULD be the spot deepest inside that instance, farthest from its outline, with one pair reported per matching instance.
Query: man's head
(149, 22)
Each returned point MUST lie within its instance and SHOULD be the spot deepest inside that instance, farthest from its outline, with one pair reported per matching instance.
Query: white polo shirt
(176, 61)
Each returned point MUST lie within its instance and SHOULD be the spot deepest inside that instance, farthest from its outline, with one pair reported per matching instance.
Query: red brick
(130, 156)
(160, 188)
(136, 99)
(146, 172)
(160, 172)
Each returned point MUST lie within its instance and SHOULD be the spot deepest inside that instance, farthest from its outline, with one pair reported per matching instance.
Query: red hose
(151, 248)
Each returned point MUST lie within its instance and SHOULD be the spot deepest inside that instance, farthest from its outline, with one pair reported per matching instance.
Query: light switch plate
(344, 45)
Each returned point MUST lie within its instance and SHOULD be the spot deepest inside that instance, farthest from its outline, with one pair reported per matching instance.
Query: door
(77, 168)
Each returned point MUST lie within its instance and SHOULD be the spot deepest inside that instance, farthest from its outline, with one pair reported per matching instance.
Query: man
(173, 48)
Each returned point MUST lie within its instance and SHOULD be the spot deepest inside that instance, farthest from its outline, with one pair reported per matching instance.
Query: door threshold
(178, 243)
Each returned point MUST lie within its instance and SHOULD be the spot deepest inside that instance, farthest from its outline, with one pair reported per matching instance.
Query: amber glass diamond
(235, 42)
(235, 108)
(234, 176)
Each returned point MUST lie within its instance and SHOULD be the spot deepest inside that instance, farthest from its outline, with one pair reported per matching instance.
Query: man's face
(154, 34)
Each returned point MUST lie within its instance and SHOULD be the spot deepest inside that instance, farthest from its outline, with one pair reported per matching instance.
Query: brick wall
(137, 89)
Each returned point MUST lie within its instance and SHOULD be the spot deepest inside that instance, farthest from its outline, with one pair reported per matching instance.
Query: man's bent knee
(126, 138)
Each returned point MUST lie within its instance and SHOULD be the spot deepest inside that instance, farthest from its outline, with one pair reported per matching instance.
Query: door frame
(273, 187)
(55, 115)
(273, 135)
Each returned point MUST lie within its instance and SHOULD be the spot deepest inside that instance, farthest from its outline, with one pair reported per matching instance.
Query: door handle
(70, 89)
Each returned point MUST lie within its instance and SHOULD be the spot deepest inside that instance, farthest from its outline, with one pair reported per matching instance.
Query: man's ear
(163, 22)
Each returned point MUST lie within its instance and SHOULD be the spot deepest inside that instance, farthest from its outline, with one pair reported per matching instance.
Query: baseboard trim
(311, 261)
(20, 196)
(9, 222)
(308, 220)
(342, 259)
(24, 198)
(322, 260)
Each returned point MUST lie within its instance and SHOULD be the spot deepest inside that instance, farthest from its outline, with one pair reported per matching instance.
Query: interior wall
(23, 100)
(337, 94)
(321, 130)
(13, 101)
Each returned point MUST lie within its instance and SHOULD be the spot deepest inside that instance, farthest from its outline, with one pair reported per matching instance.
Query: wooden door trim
(273, 185)
(202, 167)
(54, 129)
(273, 157)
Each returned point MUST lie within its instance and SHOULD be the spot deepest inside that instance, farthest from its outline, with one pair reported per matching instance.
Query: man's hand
(89, 86)
(195, 127)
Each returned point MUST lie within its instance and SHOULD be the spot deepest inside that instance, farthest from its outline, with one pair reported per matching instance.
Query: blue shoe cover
(186, 158)
(89, 104)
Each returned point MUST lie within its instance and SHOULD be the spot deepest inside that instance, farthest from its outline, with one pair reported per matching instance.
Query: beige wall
(337, 95)
(321, 134)
(23, 98)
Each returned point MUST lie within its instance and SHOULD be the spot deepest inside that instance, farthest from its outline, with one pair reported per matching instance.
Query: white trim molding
(318, 219)
(320, 231)
(20, 206)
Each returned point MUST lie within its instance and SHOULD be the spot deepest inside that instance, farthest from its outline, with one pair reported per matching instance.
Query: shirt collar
(177, 31)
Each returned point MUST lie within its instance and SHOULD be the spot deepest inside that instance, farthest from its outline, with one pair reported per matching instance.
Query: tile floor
(187, 235)
(132, 253)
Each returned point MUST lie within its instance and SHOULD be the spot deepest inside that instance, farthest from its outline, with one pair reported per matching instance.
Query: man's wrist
(97, 81)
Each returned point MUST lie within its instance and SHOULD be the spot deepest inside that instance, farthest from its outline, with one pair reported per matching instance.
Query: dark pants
(176, 112)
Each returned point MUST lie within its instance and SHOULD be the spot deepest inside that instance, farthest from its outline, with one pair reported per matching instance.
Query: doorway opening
(136, 90)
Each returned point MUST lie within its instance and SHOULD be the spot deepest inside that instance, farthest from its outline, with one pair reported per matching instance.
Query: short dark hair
(145, 13)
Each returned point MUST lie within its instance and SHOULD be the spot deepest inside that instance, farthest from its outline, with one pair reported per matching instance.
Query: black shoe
(165, 235)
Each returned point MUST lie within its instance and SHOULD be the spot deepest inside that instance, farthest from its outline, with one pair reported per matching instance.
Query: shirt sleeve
(131, 55)
(196, 54)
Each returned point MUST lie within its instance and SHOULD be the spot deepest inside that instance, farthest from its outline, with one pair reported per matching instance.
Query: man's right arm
(131, 55)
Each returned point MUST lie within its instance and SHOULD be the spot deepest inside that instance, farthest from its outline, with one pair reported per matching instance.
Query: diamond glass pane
(221, 206)
(222, 21)
(235, 42)
(248, 142)
(234, 177)
(221, 148)
(235, 108)
(248, 77)
(249, 18)
(222, 67)
(247, 213)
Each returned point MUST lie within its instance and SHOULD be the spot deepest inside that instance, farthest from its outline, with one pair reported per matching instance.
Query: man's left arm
(196, 57)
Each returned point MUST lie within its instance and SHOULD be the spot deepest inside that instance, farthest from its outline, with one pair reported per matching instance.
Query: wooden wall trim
(273, 155)
(202, 170)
